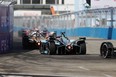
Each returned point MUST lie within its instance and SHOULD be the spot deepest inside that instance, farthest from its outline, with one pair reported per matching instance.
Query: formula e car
(30, 39)
(62, 45)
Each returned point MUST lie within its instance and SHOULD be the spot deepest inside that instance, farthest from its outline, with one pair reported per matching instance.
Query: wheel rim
(104, 50)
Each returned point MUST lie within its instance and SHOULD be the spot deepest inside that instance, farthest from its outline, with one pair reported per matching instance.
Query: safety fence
(100, 23)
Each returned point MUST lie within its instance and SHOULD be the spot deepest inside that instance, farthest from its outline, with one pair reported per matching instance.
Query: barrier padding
(93, 32)
(86, 31)
(105, 33)
(114, 33)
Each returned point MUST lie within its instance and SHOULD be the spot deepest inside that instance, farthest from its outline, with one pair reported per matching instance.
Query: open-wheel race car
(107, 50)
(62, 45)
(30, 39)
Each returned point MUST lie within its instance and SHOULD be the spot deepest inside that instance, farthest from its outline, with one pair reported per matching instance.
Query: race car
(30, 39)
(62, 45)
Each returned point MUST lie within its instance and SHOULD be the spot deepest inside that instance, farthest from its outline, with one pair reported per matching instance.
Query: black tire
(61, 50)
(82, 38)
(106, 50)
(42, 48)
(82, 46)
(76, 50)
(51, 48)
(25, 42)
(101, 48)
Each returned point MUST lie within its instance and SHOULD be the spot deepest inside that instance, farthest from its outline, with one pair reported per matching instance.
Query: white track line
(107, 75)
(83, 68)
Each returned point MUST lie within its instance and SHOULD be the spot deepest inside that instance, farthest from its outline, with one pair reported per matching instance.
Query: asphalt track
(30, 63)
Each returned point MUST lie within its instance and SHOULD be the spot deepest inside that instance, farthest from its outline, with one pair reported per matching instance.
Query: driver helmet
(51, 33)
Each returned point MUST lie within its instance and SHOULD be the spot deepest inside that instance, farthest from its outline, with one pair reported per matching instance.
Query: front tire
(106, 49)
(51, 48)
(61, 50)
(25, 42)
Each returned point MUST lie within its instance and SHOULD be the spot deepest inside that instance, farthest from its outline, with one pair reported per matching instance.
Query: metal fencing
(71, 22)
(86, 18)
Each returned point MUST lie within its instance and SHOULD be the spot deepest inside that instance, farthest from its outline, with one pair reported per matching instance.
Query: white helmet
(51, 33)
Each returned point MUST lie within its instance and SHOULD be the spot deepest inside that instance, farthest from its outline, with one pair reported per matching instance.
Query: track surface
(30, 63)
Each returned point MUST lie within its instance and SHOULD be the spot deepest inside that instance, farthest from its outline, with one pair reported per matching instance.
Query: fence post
(111, 27)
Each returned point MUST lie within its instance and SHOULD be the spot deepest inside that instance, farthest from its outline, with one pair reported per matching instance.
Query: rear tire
(82, 46)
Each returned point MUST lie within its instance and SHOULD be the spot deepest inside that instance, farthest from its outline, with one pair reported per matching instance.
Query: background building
(93, 4)
(103, 3)
(43, 6)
